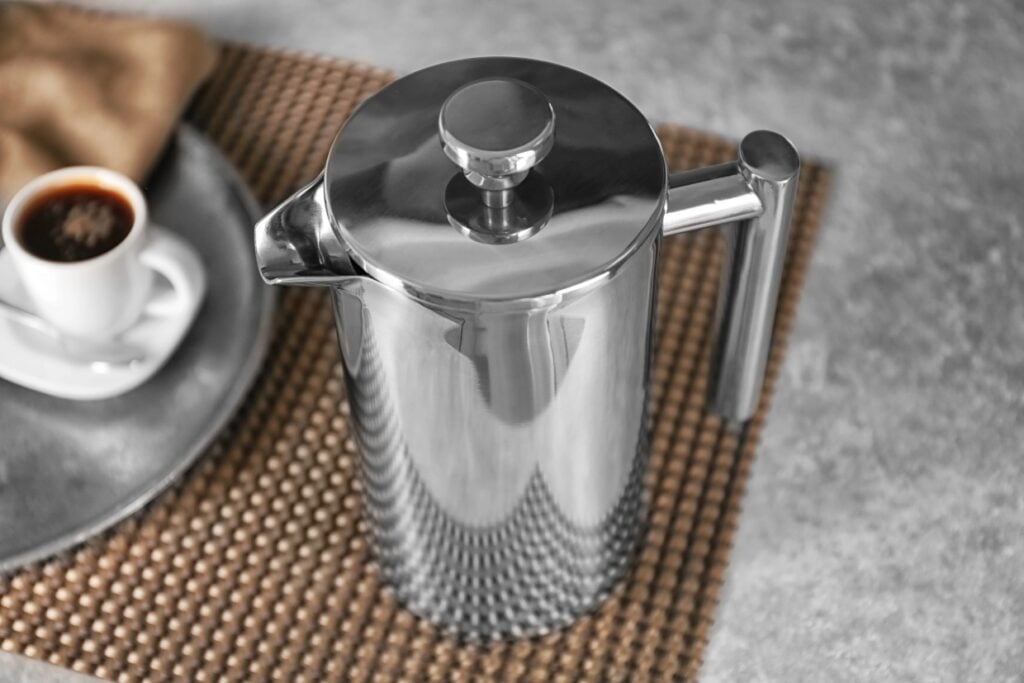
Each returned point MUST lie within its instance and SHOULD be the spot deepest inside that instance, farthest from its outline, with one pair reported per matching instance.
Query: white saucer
(33, 360)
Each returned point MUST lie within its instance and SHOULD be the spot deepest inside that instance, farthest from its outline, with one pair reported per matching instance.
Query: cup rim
(106, 178)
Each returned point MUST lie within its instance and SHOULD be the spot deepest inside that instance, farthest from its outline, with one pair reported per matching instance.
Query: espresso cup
(100, 297)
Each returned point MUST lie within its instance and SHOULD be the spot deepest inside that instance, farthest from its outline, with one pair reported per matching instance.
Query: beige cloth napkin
(80, 87)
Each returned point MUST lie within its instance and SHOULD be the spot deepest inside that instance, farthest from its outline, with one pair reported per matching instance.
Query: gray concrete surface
(17, 669)
(883, 537)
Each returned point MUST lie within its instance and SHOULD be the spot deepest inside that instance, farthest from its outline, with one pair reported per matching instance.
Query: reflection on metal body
(752, 199)
(311, 255)
(503, 455)
(496, 130)
(494, 287)
(709, 197)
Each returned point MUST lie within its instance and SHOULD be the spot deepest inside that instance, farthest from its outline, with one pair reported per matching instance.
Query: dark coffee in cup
(74, 223)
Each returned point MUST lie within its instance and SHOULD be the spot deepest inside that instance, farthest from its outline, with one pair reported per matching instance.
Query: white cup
(101, 297)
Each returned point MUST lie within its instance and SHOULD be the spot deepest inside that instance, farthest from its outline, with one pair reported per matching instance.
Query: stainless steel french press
(489, 231)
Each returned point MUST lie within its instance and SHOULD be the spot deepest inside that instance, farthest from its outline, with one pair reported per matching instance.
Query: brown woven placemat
(256, 565)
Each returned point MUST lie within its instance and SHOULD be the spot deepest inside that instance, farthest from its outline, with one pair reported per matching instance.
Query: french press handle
(752, 200)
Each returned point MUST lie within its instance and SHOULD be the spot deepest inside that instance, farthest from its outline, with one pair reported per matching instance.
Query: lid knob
(496, 130)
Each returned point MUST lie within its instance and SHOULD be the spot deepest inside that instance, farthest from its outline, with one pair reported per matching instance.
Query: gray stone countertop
(883, 532)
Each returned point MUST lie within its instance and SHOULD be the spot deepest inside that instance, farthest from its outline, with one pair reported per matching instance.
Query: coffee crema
(74, 222)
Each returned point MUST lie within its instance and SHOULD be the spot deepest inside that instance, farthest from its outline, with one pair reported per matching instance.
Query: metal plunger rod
(752, 198)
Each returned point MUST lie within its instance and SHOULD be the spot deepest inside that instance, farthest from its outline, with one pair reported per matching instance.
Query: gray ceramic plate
(70, 469)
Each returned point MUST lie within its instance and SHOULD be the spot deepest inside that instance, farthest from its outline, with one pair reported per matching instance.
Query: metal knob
(496, 130)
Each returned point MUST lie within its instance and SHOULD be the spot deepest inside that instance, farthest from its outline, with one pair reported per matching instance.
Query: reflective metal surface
(752, 272)
(503, 454)
(295, 244)
(709, 197)
(387, 175)
(498, 370)
(496, 130)
(752, 199)
(511, 217)
(69, 469)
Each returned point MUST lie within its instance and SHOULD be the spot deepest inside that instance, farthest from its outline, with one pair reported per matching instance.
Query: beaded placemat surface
(256, 566)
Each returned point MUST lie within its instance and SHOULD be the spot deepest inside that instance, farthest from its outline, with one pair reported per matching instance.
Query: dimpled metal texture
(500, 525)
(257, 565)
(534, 570)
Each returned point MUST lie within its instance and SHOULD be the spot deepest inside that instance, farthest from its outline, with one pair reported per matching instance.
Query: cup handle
(176, 260)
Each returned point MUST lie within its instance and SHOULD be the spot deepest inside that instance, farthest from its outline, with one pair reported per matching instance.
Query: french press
(489, 230)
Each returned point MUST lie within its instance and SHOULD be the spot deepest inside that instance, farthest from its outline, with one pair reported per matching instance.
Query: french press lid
(494, 179)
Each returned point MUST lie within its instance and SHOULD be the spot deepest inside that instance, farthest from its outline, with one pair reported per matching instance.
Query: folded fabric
(80, 87)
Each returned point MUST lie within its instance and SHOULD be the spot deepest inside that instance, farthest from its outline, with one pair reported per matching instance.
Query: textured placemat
(256, 566)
